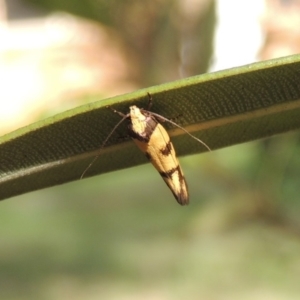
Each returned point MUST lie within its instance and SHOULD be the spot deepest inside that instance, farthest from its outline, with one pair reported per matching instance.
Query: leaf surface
(222, 109)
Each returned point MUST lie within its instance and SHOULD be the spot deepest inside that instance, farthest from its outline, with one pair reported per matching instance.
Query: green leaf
(222, 109)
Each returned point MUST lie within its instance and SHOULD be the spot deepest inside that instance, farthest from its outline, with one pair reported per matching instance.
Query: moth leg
(122, 138)
(116, 112)
(150, 101)
(176, 118)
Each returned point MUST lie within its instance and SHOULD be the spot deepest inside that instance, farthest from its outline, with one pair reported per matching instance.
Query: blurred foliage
(166, 41)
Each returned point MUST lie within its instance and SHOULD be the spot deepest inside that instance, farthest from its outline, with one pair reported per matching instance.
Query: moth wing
(162, 155)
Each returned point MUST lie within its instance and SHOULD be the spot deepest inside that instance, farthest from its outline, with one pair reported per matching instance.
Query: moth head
(135, 113)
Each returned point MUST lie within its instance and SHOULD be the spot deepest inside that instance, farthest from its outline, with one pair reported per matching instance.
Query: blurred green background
(122, 235)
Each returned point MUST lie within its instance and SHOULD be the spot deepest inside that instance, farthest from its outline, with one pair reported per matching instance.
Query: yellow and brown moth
(153, 140)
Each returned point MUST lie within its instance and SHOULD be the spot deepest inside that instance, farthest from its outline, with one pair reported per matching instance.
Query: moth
(153, 140)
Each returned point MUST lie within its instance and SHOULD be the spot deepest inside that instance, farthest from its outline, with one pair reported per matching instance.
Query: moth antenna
(105, 141)
(95, 158)
(150, 101)
(182, 128)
